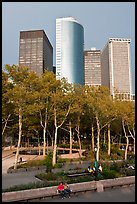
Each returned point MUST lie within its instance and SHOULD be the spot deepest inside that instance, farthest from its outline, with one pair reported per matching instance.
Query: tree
(61, 101)
(77, 110)
(131, 122)
(7, 105)
(18, 96)
(126, 113)
(100, 107)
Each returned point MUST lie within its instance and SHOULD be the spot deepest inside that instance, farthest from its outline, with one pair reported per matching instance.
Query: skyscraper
(69, 50)
(92, 65)
(35, 51)
(116, 68)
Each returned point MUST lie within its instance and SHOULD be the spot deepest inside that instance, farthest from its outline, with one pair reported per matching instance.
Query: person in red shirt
(60, 190)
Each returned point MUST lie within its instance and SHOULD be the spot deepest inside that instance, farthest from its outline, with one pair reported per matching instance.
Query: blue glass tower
(70, 50)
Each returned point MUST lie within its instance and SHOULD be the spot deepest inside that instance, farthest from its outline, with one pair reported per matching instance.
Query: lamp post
(95, 153)
(96, 162)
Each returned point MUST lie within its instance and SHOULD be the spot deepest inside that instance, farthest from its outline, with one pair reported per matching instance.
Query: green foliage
(110, 171)
(48, 161)
(104, 146)
(117, 165)
(48, 176)
(104, 155)
(36, 95)
(26, 186)
(109, 174)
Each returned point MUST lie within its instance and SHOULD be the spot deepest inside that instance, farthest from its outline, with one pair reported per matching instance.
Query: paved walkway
(8, 159)
(122, 194)
(12, 179)
(9, 180)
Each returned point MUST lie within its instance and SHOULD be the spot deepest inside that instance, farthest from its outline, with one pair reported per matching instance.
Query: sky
(101, 21)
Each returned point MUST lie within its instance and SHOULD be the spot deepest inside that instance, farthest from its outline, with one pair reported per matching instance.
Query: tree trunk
(44, 145)
(126, 147)
(93, 145)
(109, 139)
(19, 140)
(133, 136)
(126, 140)
(98, 137)
(78, 134)
(5, 124)
(47, 144)
(134, 146)
(55, 140)
(55, 147)
(56, 131)
(70, 131)
(104, 137)
(39, 148)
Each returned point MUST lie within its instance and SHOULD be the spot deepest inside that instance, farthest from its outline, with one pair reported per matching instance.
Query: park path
(8, 159)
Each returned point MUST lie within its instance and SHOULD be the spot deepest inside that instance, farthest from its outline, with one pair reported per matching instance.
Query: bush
(104, 147)
(48, 176)
(104, 155)
(26, 186)
(116, 166)
(48, 161)
(109, 174)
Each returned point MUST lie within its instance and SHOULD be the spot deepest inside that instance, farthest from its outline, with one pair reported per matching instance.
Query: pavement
(8, 159)
(18, 178)
(121, 194)
(12, 179)
(9, 180)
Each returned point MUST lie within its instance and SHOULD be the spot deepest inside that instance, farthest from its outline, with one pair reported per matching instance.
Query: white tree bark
(93, 139)
(98, 138)
(70, 132)
(126, 140)
(109, 139)
(133, 136)
(5, 124)
(19, 140)
(56, 133)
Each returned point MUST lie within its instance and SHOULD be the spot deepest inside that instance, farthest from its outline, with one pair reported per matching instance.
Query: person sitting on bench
(67, 190)
(60, 190)
(91, 170)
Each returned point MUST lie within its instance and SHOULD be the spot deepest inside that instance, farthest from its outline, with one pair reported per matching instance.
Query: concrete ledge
(76, 187)
(26, 169)
(118, 181)
(29, 194)
(100, 187)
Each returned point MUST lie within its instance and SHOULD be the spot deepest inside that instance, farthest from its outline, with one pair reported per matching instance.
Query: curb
(39, 193)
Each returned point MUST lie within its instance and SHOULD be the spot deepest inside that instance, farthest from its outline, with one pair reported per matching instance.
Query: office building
(69, 50)
(116, 68)
(92, 65)
(35, 51)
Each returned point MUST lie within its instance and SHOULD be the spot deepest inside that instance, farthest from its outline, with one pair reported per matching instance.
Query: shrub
(104, 146)
(48, 161)
(26, 186)
(104, 155)
(109, 174)
(48, 176)
(116, 166)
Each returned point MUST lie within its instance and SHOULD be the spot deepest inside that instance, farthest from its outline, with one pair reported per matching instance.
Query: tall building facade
(35, 51)
(116, 67)
(69, 50)
(92, 66)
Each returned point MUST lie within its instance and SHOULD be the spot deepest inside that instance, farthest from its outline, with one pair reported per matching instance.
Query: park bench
(78, 174)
